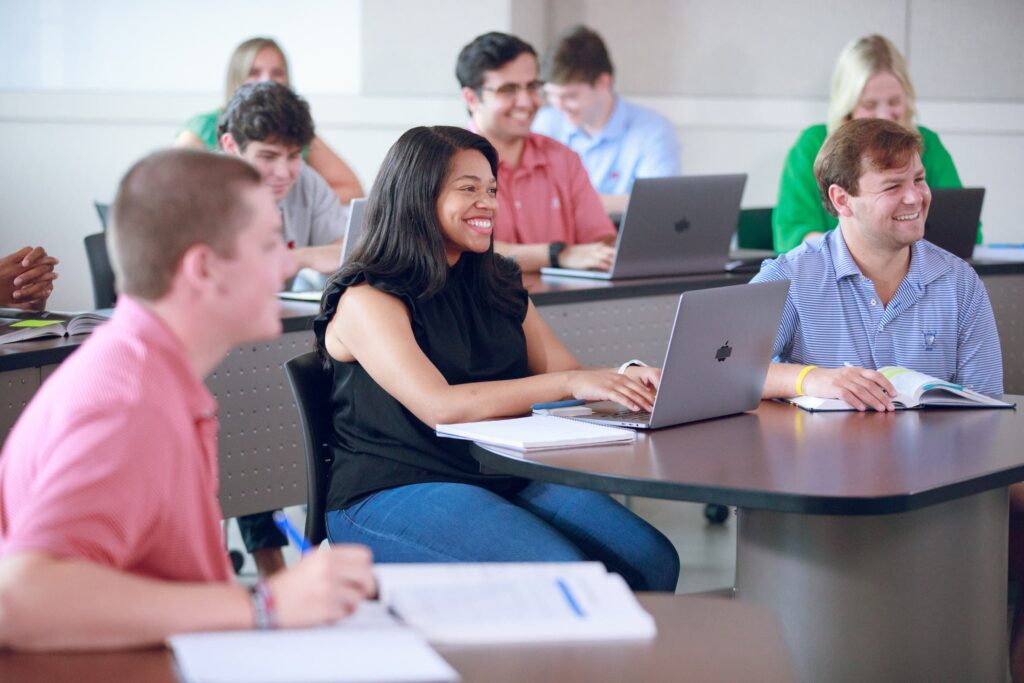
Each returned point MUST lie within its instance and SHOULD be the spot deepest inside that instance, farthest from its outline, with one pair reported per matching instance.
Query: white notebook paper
(501, 603)
(536, 432)
(369, 647)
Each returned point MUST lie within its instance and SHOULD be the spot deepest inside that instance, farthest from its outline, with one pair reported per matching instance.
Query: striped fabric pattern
(939, 322)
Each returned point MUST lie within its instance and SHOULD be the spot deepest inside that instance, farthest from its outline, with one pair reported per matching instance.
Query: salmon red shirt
(548, 197)
(114, 460)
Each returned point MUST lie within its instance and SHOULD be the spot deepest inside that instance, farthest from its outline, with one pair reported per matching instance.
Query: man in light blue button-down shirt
(617, 141)
(872, 292)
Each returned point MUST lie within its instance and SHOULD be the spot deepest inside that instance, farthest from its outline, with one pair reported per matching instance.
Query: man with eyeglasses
(548, 212)
(617, 140)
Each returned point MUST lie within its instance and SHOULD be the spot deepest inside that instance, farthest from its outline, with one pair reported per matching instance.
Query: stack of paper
(536, 432)
(369, 647)
(464, 604)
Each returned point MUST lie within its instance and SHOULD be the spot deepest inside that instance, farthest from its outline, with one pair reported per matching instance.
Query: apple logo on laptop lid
(723, 352)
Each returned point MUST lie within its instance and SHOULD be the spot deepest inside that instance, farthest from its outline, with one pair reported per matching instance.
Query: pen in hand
(291, 532)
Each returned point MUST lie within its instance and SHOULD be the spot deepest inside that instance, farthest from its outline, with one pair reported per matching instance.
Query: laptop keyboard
(629, 415)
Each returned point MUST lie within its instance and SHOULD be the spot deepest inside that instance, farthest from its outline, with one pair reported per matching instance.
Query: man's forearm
(530, 257)
(325, 258)
(781, 380)
(54, 604)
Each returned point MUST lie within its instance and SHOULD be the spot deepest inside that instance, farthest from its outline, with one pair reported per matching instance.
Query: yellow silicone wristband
(800, 379)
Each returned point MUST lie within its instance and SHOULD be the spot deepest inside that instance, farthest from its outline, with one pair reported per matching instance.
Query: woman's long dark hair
(402, 242)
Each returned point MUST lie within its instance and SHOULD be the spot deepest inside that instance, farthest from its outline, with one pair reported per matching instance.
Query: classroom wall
(89, 86)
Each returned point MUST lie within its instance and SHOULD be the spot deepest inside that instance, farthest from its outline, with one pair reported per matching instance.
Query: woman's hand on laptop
(593, 256)
(609, 385)
(645, 375)
(860, 387)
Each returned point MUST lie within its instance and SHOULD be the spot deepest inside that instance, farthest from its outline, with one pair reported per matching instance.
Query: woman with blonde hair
(262, 59)
(870, 81)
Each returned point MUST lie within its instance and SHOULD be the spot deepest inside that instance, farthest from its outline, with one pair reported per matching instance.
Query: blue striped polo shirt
(939, 322)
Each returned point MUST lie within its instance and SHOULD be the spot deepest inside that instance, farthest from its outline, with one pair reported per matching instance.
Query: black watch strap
(554, 251)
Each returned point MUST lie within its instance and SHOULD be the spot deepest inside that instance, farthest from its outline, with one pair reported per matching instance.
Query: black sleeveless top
(378, 444)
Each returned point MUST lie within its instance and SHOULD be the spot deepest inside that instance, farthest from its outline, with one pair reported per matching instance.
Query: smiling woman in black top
(425, 325)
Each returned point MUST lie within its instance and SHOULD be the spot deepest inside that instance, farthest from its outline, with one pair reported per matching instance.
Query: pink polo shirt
(548, 198)
(114, 460)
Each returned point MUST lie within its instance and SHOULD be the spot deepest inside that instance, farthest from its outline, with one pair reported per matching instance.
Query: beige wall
(738, 79)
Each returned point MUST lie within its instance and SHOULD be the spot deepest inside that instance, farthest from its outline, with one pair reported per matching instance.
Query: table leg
(915, 596)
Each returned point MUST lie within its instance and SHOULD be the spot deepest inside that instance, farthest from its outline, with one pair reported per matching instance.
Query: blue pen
(571, 403)
(288, 530)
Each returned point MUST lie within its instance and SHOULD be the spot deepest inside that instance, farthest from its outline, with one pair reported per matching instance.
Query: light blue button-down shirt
(636, 142)
(939, 322)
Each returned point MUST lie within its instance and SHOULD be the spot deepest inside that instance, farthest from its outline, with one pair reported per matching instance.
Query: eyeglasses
(509, 91)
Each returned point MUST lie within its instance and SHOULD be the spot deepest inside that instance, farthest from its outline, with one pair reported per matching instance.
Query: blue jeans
(447, 522)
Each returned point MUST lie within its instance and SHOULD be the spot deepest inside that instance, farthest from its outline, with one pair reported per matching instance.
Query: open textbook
(466, 604)
(16, 326)
(536, 432)
(913, 390)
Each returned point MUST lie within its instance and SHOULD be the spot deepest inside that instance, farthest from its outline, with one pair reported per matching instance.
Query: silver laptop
(354, 227)
(953, 219)
(717, 357)
(673, 226)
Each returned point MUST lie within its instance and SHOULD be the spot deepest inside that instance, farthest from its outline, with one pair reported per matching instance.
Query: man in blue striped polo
(872, 292)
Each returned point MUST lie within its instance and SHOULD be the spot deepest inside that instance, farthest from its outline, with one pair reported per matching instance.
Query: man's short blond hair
(168, 202)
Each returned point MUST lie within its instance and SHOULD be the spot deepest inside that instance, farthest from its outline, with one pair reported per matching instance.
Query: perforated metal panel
(16, 388)
(608, 333)
(1007, 295)
(262, 466)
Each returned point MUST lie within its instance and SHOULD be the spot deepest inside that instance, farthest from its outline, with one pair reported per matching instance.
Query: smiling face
(506, 118)
(248, 280)
(890, 207)
(883, 97)
(268, 65)
(467, 205)
(583, 104)
(279, 164)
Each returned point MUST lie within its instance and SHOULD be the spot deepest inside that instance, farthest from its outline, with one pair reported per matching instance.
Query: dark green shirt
(799, 209)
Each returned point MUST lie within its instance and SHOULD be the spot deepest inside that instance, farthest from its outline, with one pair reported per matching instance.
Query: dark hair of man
(577, 56)
(402, 244)
(486, 53)
(858, 146)
(266, 111)
(168, 202)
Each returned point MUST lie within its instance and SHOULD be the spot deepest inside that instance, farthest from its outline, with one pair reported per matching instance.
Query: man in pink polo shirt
(109, 521)
(548, 212)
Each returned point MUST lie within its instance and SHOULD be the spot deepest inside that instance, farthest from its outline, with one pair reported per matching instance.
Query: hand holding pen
(323, 586)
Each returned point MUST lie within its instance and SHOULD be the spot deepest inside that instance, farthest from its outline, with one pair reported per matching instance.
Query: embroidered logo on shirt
(929, 341)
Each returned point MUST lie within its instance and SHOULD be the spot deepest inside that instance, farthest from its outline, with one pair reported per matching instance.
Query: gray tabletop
(785, 459)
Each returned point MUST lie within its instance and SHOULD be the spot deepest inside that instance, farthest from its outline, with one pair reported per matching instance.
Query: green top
(799, 209)
(204, 127)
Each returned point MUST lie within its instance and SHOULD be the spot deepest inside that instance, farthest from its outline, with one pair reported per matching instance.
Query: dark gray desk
(602, 323)
(879, 540)
(700, 640)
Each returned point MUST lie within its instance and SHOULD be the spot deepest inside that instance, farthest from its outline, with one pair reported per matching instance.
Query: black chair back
(102, 210)
(755, 229)
(311, 388)
(103, 292)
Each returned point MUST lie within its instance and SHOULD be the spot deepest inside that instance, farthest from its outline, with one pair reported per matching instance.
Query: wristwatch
(554, 250)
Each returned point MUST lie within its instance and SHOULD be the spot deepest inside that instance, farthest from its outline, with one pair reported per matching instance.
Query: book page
(535, 432)
(367, 648)
(524, 609)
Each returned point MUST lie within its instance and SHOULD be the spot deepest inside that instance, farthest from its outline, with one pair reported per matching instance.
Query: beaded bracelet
(263, 608)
